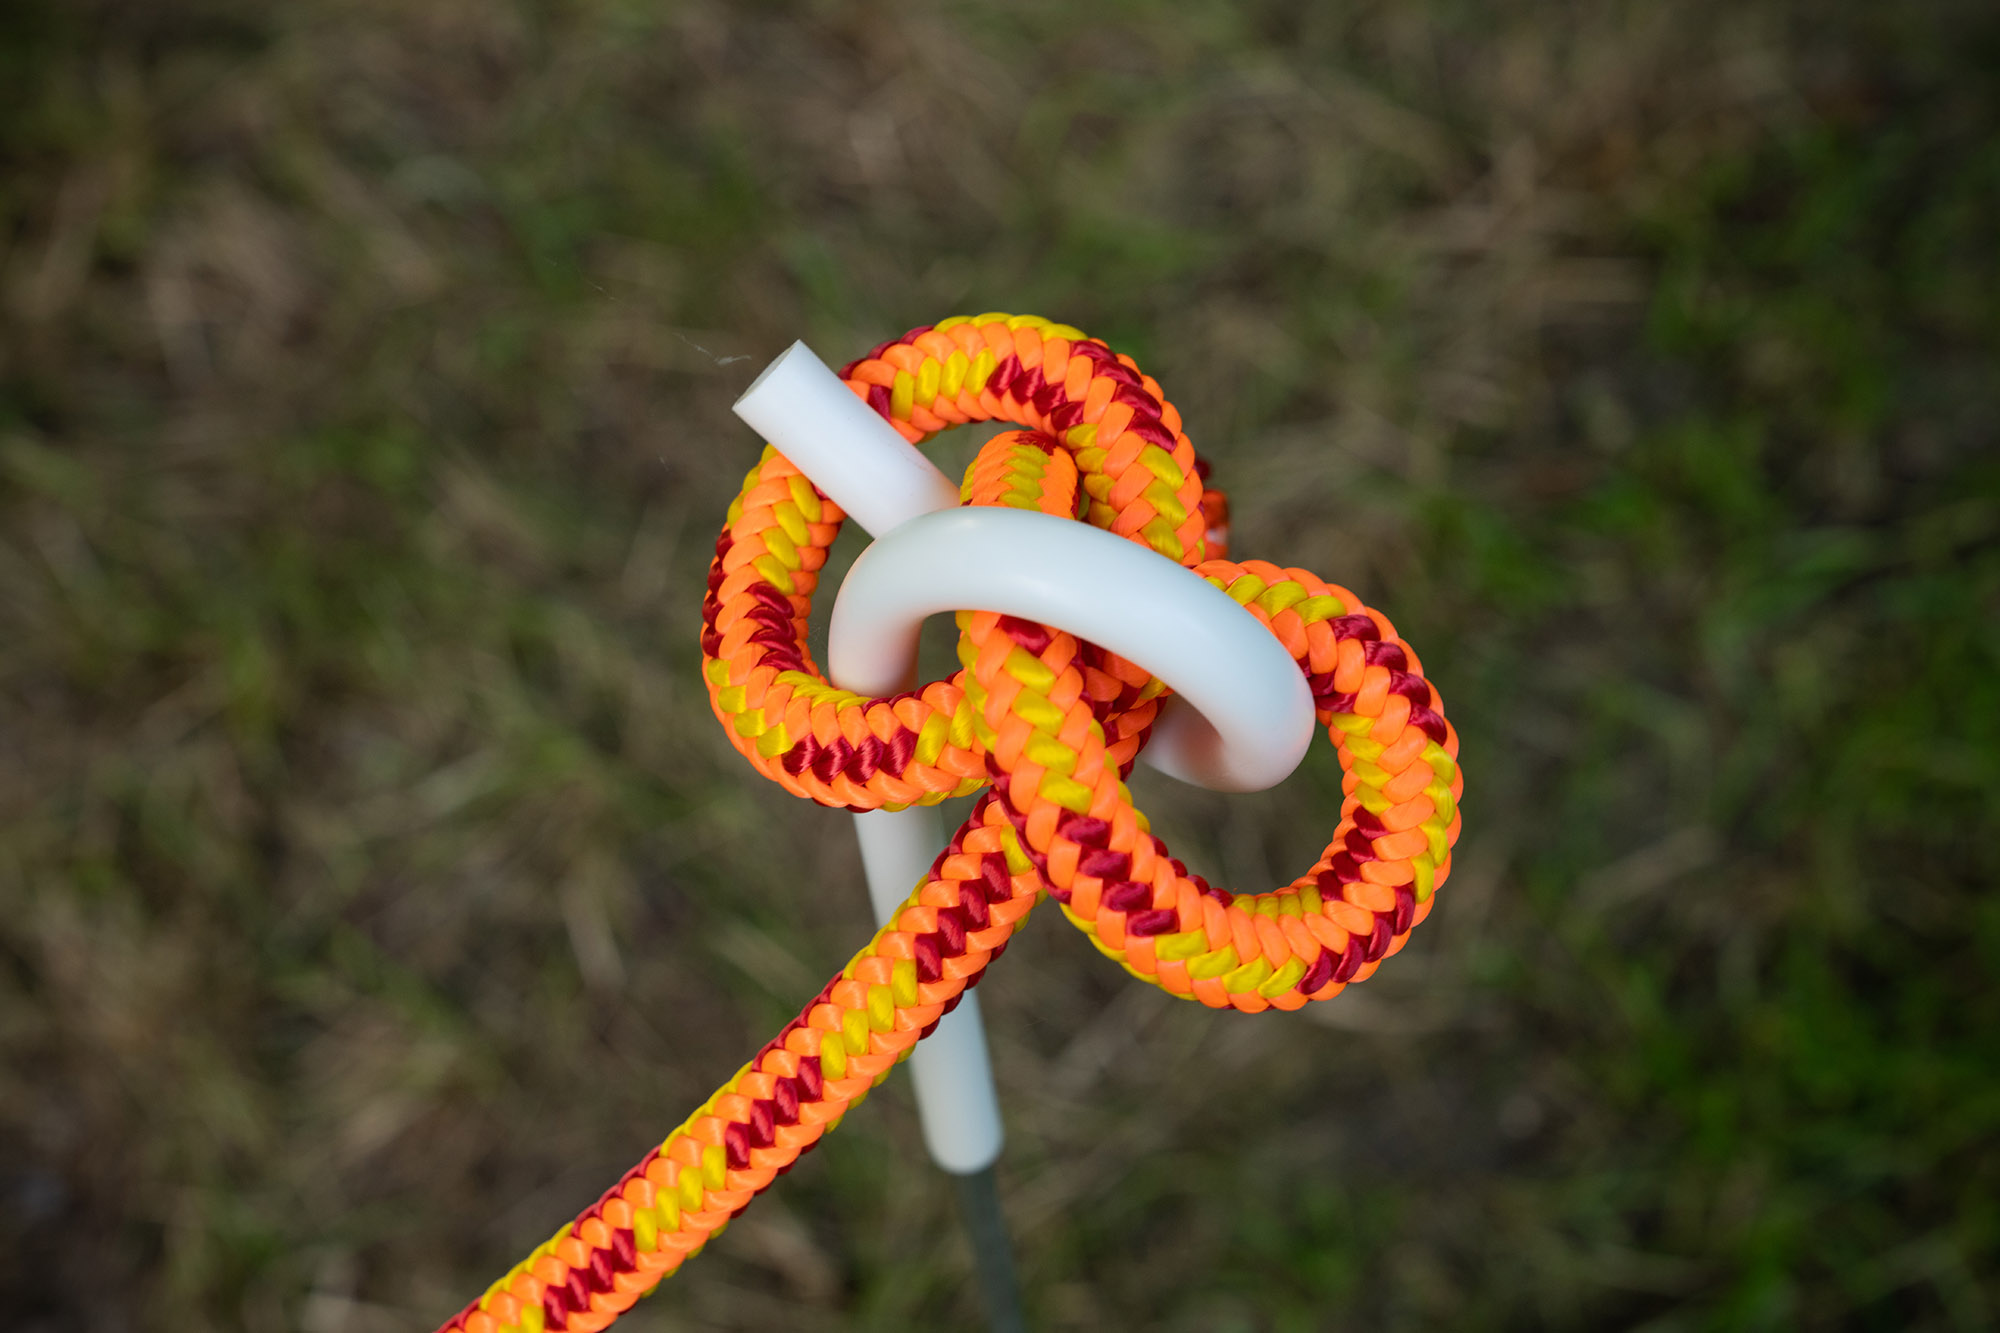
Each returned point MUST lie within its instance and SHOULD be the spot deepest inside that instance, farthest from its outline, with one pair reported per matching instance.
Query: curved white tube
(882, 481)
(1258, 711)
(1211, 651)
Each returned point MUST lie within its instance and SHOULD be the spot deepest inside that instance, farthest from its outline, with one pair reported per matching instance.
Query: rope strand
(1050, 725)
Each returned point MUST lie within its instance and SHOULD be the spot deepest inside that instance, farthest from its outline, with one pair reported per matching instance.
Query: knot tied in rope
(1048, 723)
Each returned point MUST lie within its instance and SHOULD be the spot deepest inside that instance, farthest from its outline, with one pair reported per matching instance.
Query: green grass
(375, 884)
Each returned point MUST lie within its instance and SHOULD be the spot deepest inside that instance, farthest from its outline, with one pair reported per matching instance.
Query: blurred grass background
(375, 886)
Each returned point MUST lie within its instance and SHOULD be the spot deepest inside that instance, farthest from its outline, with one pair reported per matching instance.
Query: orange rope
(1053, 724)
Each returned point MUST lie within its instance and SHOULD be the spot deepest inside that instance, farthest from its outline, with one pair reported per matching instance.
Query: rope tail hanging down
(1049, 726)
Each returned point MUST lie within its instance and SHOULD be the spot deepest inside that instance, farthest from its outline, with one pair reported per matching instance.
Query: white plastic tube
(858, 459)
(1251, 718)
(881, 480)
(957, 1104)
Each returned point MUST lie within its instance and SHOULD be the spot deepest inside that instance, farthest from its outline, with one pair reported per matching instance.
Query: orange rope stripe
(1053, 725)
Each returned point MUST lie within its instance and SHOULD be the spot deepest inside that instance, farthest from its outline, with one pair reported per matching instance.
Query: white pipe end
(811, 417)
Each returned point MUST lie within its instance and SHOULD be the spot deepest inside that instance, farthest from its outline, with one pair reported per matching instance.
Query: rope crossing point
(1049, 725)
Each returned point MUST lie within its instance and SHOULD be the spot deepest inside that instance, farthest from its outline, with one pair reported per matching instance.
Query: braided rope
(1051, 725)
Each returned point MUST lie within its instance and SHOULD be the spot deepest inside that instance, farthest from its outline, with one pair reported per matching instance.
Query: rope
(1049, 725)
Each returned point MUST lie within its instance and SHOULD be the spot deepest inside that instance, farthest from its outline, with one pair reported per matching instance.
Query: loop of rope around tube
(1053, 724)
